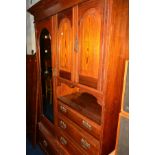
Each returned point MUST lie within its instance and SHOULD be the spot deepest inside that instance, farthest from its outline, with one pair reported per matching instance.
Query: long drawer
(84, 140)
(45, 145)
(49, 144)
(68, 144)
(85, 123)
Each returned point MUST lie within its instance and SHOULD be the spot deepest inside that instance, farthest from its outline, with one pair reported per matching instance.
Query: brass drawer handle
(62, 124)
(86, 125)
(45, 143)
(63, 141)
(63, 109)
(85, 144)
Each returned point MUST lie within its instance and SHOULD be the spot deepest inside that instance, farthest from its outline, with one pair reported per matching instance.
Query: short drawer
(85, 123)
(68, 144)
(84, 140)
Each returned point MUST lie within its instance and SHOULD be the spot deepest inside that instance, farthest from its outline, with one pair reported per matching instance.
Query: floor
(30, 150)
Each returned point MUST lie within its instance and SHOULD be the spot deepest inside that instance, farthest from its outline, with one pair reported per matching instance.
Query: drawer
(84, 140)
(48, 150)
(85, 123)
(45, 146)
(68, 144)
(61, 150)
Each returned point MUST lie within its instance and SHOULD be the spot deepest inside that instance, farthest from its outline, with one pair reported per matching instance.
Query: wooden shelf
(95, 92)
(85, 104)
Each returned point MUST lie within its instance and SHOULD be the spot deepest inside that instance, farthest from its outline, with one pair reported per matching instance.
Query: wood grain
(78, 119)
(31, 106)
(47, 8)
(89, 40)
(114, 62)
(83, 103)
(65, 75)
(65, 45)
(52, 147)
(78, 134)
(64, 89)
(70, 146)
(89, 43)
(88, 81)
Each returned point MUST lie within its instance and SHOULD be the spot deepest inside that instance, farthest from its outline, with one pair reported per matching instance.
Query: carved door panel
(89, 45)
(65, 44)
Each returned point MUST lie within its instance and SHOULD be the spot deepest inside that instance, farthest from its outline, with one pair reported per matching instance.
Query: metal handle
(45, 143)
(63, 109)
(86, 125)
(76, 44)
(72, 85)
(85, 144)
(62, 124)
(63, 141)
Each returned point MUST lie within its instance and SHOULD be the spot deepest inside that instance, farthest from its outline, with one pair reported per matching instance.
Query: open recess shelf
(85, 104)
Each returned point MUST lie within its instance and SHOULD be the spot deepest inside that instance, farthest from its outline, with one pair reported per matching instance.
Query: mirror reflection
(46, 74)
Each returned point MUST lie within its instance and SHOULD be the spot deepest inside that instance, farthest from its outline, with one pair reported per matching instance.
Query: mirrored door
(46, 74)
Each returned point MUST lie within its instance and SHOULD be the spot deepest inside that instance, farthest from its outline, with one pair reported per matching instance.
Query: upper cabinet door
(65, 44)
(89, 44)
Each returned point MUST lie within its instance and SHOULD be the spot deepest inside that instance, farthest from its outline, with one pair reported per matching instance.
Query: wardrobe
(82, 46)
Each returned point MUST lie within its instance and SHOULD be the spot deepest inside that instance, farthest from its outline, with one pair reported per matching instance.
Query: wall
(30, 31)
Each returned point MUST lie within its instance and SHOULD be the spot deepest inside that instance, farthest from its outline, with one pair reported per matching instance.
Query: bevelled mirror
(46, 74)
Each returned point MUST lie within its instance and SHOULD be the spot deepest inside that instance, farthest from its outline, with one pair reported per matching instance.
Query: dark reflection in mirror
(46, 74)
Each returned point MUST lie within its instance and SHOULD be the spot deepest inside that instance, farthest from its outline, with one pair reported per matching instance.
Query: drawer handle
(63, 141)
(85, 144)
(62, 124)
(86, 125)
(63, 109)
(45, 143)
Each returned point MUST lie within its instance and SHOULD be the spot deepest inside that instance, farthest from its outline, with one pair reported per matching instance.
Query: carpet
(30, 150)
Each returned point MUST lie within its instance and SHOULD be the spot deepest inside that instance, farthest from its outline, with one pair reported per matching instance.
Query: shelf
(85, 104)
(82, 88)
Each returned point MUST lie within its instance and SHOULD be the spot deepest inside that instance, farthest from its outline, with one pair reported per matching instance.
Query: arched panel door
(46, 74)
(89, 48)
(65, 48)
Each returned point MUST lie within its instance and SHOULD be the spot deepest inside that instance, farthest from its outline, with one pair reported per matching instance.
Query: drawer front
(45, 146)
(68, 144)
(85, 123)
(82, 138)
(59, 150)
